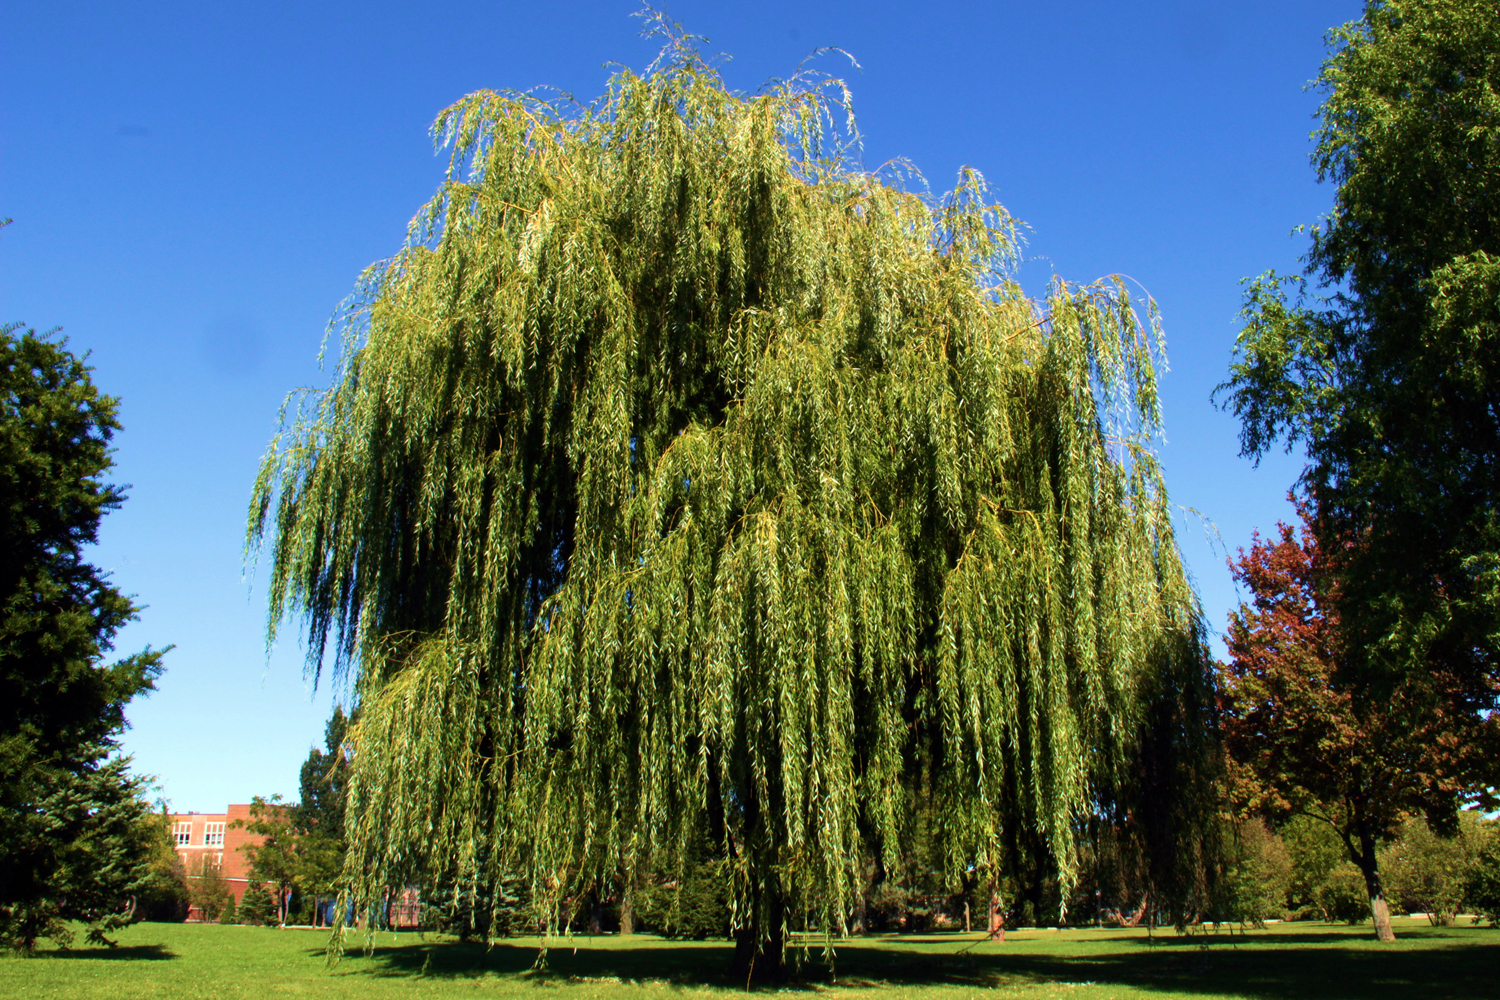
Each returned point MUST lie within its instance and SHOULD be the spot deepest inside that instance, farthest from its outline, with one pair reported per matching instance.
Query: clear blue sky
(196, 186)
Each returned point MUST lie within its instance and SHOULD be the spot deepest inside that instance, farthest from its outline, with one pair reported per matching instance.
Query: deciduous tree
(208, 888)
(319, 815)
(1382, 358)
(275, 856)
(1299, 740)
(682, 481)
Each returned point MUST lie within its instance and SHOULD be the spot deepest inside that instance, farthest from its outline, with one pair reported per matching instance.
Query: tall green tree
(274, 859)
(318, 817)
(682, 482)
(1382, 357)
(323, 781)
(168, 894)
(68, 849)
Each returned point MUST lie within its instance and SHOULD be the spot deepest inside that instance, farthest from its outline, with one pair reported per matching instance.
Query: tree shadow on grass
(128, 953)
(705, 964)
(1287, 966)
(1458, 972)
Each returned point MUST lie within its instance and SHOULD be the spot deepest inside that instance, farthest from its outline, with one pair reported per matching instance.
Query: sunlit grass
(1287, 960)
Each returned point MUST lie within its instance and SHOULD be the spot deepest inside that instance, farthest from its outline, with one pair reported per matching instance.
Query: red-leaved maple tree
(1302, 737)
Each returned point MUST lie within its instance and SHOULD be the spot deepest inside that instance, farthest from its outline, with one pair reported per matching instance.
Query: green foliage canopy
(275, 860)
(680, 480)
(1382, 357)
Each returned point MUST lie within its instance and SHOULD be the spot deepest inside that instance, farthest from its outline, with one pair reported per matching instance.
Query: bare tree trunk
(1380, 912)
(1365, 860)
(997, 919)
(627, 876)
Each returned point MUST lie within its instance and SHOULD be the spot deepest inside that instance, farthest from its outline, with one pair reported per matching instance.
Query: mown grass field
(159, 961)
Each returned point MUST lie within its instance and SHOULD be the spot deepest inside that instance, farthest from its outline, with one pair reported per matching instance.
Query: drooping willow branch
(680, 480)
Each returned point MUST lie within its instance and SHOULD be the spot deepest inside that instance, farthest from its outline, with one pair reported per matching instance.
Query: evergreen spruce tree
(682, 482)
(257, 907)
(76, 836)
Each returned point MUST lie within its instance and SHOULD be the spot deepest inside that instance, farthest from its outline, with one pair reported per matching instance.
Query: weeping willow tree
(680, 482)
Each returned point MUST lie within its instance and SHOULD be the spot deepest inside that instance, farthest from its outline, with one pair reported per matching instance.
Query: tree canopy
(75, 834)
(318, 817)
(1302, 740)
(679, 480)
(1381, 358)
(58, 612)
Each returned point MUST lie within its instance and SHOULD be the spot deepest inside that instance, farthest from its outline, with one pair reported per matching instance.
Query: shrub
(488, 905)
(1315, 850)
(1342, 897)
(1425, 872)
(1258, 875)
(1482, 884)
(695, 907)
(257, 907)
(885, 907)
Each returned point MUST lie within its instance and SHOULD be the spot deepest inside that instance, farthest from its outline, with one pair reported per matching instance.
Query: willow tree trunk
(997, 919)
(760, 949)
(627, 911)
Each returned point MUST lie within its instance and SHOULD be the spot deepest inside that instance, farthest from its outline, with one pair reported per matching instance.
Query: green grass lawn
(1288, 960)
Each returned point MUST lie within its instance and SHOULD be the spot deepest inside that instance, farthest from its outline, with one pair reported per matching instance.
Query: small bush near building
(208, 890)
(257, 907)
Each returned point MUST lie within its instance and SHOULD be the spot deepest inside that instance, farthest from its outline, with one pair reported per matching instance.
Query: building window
(182, 833)
(219, 859)
(213, 835)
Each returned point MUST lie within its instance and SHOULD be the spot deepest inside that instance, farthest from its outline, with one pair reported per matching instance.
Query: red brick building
(213, 838)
